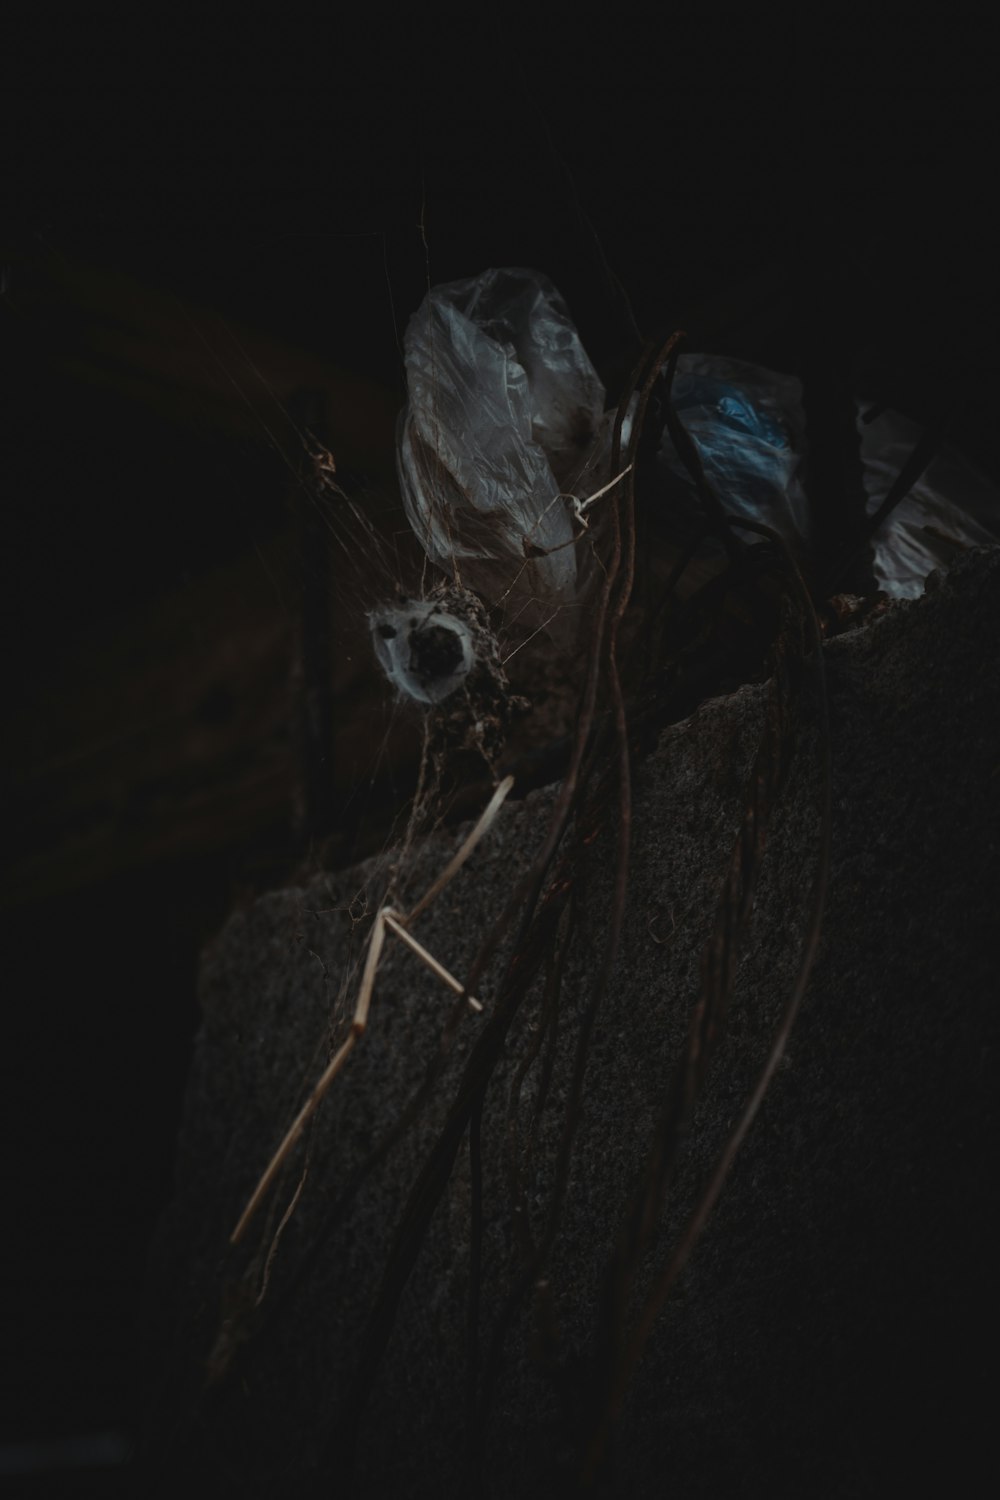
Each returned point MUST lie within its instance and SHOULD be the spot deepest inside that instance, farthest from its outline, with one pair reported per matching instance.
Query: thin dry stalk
(386, 918)
(395, 925)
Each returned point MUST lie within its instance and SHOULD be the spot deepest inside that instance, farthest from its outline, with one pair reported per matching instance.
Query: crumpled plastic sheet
(504, 409)
(505, 419)
(953, 497)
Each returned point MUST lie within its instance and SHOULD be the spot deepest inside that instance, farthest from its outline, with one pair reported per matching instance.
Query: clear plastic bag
(504, 410)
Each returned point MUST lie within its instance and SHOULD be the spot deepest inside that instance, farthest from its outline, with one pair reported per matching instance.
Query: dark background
(194, 229)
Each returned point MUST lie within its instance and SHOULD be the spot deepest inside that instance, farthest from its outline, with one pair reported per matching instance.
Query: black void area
(98, 1027)
(435, 652)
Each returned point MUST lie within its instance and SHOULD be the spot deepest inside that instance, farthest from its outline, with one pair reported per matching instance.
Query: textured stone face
(826, 1337)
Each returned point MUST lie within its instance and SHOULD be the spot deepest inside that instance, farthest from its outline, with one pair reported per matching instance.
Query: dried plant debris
(478, 1267)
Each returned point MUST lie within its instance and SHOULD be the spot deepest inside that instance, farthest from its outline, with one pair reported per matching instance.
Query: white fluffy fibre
(425, 651)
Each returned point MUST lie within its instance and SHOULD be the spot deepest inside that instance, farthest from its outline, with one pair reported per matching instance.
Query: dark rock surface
(833, 1334)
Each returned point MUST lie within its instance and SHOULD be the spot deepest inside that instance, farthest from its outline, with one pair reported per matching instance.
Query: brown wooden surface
(199, 369)
(157, 723)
